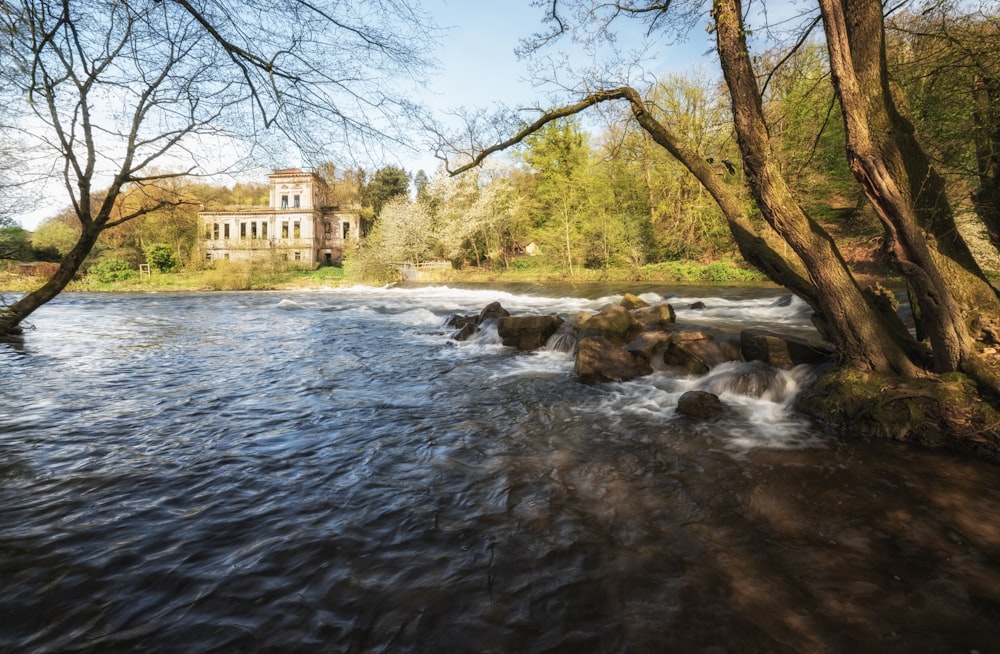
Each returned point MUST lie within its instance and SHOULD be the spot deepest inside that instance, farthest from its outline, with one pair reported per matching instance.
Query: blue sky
(478, 67)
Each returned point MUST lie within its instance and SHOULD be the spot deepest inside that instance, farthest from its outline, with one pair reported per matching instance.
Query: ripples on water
(328, 472)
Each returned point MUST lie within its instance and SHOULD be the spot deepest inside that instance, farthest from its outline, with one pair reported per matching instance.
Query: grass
(222, 277)
(226, 276)
(719, 272)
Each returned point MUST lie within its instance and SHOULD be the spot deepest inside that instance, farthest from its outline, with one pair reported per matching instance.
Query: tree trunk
(986, 110)
(12, 316)
(906, 192)
(859, 332)
(569, 253)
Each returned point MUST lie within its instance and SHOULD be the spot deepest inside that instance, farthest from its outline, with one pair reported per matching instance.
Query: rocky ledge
(632, 339)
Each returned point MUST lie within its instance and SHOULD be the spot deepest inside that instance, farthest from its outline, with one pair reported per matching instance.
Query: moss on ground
(936, 411)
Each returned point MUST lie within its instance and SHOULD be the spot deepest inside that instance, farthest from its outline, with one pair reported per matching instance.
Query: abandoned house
(299, 225)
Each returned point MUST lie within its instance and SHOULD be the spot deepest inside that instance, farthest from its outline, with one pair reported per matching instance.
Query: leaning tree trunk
(11, 317)
(906, 192)
(862, 336)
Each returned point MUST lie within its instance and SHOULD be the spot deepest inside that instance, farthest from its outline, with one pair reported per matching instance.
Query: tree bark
(861, 335)
(907, 194)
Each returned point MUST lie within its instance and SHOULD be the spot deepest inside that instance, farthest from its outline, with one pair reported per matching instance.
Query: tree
(557, 156)
(687, 223)
(892, 170)
(420, 182)
(119, 87)
(387, 184)
(404, 233)
(14, 242)
(56, 235)
(342, 188)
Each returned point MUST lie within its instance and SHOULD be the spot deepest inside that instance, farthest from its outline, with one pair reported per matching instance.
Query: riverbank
(238, 277)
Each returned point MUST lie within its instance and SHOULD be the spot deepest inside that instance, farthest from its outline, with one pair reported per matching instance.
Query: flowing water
(327, 471)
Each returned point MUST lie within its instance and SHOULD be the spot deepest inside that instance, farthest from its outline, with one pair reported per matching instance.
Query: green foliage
(806, 125)
(110, 270)
(718, 272)
(14, 243)
(55, 235)
(685, 221)
(161, 257)
(387, 183)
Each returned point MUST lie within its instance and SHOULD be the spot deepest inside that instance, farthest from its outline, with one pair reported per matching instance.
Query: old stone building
(297, 226)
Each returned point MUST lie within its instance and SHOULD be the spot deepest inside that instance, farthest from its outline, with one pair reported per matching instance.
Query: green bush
(161, 258)
(112, 270)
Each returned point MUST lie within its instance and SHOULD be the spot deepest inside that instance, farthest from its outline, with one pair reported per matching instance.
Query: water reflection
(326, 472)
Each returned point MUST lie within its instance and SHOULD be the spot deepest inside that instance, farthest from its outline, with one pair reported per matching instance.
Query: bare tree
(121, 90)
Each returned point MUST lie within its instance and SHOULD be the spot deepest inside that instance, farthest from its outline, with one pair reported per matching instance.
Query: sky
(477, 68)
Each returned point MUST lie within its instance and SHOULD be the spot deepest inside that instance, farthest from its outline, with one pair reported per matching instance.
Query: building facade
(296, 226)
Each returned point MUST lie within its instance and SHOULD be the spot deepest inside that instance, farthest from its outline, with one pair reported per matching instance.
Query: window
(253, 229)
(243, 230)
(298, 256)
(295, 201)
(226, 256)
(328, 229)
(296, 230)
(215, 231)
(208, 256)
(284, 201)
(285, 256)
(284, 229)
(263, 230)
(225, 231)
(208, 231)
(347, 230)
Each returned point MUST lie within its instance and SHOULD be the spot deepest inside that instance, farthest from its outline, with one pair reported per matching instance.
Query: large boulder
(598, 359)
(701, 405)
(492, 311)
(631, 302)
(466, 331)
(781, 350)
(650, 345)
(613, 323)
(655, 318)
(460, 321)
(468, 326)
(527, 332)
(699, 352)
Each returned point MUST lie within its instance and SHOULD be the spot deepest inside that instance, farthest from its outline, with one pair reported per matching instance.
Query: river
(327, 471)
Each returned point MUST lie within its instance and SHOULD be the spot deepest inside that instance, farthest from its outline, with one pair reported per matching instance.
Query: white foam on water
(419, 318)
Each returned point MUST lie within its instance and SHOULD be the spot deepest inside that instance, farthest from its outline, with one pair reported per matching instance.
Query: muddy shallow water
(326, 471)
